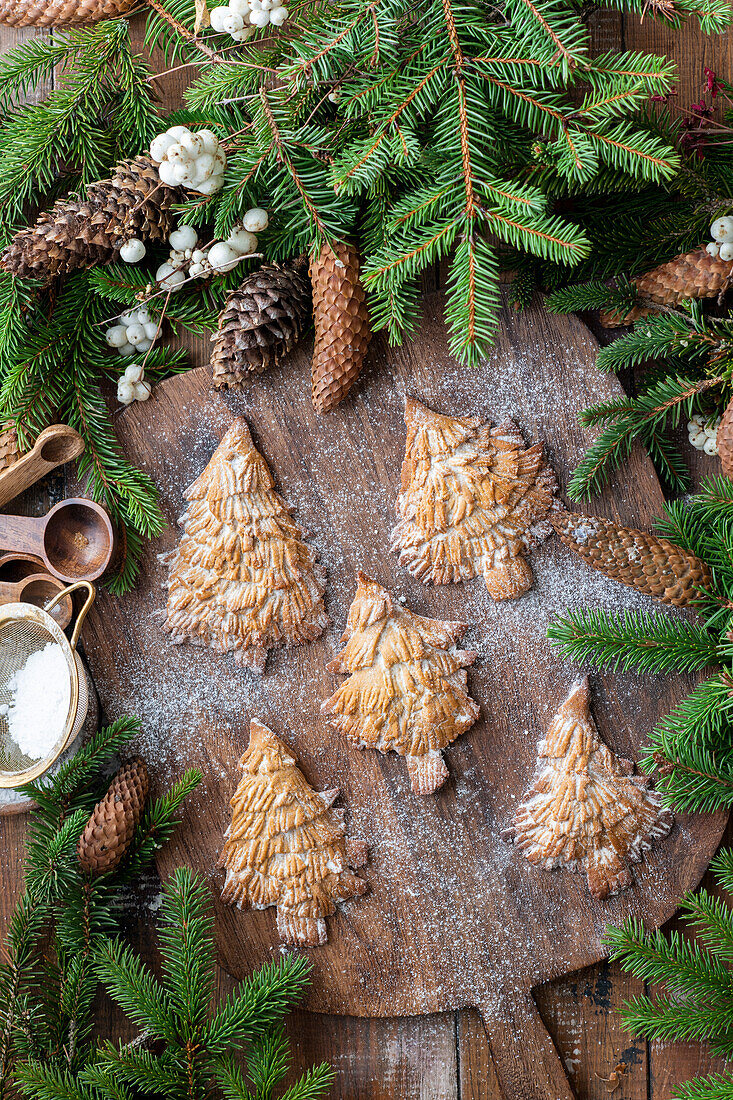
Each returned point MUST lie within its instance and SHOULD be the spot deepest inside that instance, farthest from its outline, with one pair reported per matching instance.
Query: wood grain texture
(453, 917)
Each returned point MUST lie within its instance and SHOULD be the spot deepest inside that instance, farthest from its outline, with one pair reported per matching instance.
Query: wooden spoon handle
(23, 533)
(54, 446)
(524, 1056)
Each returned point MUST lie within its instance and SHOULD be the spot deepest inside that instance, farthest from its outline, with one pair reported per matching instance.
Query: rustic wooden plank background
(446, 1057)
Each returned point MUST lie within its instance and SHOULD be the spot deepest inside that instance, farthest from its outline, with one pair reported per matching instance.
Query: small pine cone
(691, 275)
(9, 449)
(725, 440)
(262, 320)
(56, 13)
(342, 324)
(653, 566)
(78, 233)
(111, 827)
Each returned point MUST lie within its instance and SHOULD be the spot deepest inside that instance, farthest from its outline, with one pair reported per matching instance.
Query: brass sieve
(24, 630)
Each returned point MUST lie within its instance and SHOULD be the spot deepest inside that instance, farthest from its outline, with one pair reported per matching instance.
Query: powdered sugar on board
(453, 915)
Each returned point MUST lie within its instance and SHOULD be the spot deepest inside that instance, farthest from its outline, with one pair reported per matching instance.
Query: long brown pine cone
(341, 322)
(111, 827)
(9, 449)
(653, 566)
(56, 13)
(77, 233)
(262, 321)
(690, 275)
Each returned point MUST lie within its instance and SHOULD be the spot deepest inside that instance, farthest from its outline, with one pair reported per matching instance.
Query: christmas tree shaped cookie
(586, 810)
(474, 499)
(407, 685)
(242, 580)
(286, 845)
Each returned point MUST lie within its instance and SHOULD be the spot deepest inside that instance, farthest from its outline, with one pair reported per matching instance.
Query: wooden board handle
(55, 445)
(525, 1058)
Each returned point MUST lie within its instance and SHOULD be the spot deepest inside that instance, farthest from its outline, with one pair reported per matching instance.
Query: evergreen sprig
(690, 969)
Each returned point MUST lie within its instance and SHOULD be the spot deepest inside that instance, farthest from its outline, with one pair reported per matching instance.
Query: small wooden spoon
(75, 539)
(39, 589)
(54, 446)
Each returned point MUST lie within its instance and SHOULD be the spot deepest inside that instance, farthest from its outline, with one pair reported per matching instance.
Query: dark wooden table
(446, 1057)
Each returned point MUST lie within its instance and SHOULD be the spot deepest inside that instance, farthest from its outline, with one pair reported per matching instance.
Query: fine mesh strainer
(24, 630)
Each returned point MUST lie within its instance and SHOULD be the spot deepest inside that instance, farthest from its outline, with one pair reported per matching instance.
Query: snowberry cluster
(134, 332)
(187, 260)
(722, 243)
(192, 160)
(240, 18)
(132, 386)
(703, 434)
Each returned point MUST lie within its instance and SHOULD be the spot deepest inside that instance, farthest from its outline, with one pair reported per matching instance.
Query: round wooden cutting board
(454, 916)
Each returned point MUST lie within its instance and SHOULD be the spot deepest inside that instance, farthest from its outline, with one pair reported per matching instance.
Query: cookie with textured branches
(473, 500)
(286, 846)
(406, 690)
(242, 579)
(587, 811)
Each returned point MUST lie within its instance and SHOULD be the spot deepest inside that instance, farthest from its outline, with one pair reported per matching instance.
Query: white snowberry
(210, 141)
(222, 256)
(142, 391)
(151, 330)
(722, 229)
(710, 447)
(135, 335)
(726, 252)
(116, 336)
(129, 317)
(241, 7)
(169, 277)
(233, 22)
(278, 16)
(712, 249)
(211, 185)
(126, 349)
(160, 145)
(256, 220)
(184, 237)
(259, 18)
(217, 17)
(243, 242)
(177, 132)
(245, 33)
(125, 392)
(142, 316)
(132, 251)
(192, 145)
(134, 372)
(166, 173)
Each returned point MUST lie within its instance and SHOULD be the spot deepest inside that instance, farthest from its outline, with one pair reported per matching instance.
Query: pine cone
(111, 827)
(691, 275)
(55, 13)
(78, 233)
(342, 324)
(261, 322)
(653, 566)
(725, 440)
(9, 450)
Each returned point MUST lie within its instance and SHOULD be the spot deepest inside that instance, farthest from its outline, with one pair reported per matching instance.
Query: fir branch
(637, 640)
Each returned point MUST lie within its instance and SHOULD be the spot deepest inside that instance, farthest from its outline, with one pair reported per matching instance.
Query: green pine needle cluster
(47, 977)
(691, 973)
(689, 356)
(64, 944)
(427, 133)
(691, 749)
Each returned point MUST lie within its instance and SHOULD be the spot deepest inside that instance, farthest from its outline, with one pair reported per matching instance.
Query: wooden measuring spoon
(75, 539)
(39, 589)
(54, 446)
